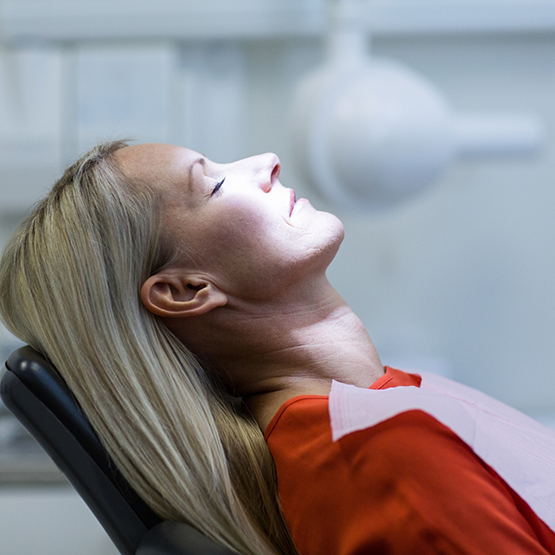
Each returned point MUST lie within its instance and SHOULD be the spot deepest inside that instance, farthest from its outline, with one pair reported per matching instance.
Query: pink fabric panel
(521, 450)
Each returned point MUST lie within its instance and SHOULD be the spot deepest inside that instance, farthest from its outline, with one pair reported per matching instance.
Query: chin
(336, 228)
(332, 237)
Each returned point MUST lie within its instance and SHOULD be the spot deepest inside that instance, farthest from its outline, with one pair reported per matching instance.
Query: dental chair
(34, 392)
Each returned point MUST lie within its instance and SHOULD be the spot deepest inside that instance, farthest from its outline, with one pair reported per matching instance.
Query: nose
(270, 167)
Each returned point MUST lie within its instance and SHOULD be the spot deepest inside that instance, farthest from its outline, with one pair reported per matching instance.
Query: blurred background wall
(459, 276)
(458, 279)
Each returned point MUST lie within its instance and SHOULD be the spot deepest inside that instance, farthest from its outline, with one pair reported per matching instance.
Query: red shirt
(406, 485)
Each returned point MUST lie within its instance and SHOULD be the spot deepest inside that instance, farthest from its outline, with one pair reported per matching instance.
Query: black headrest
(34, 391)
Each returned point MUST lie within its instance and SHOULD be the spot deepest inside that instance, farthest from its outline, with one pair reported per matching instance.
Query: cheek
(249, 250)
(250, 241)
(253, 250)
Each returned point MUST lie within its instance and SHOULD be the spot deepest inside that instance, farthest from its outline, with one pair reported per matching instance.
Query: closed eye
(217, 187)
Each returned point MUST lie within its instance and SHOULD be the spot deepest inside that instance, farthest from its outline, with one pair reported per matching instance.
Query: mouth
(292, 202)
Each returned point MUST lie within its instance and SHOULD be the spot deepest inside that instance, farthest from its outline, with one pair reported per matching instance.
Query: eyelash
(217, 187)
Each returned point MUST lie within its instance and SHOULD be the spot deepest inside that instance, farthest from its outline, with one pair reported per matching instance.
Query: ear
(174, 294)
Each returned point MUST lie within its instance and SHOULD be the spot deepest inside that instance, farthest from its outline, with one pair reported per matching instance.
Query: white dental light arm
(498, 134)
(370, 131)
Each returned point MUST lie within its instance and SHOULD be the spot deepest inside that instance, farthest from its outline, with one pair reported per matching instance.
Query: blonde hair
(69, 286)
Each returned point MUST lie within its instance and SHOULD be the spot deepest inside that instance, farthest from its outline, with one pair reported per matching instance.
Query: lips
(292, 202)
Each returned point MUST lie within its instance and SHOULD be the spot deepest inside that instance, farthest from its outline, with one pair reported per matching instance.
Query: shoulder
(408, 475)
(409, 450)
(409, 444)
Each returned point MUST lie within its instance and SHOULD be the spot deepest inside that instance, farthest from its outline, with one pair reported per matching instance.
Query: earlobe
(180, 296)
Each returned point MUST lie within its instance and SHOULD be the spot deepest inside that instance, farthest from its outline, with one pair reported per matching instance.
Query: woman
(142, 255)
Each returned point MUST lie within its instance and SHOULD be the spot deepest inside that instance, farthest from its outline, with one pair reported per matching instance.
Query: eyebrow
(201, 160)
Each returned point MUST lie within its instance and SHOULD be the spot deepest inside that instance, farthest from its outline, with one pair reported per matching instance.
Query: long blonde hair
(69, 286)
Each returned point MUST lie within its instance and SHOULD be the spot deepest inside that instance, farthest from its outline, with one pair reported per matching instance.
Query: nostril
(268, 163)
(275, 173)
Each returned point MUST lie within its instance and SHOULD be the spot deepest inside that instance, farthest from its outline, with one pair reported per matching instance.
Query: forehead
(158, 165)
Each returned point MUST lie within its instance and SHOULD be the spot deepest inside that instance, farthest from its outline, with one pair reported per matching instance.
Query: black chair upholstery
(35, 393)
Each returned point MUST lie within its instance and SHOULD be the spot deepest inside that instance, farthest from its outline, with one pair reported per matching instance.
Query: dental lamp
(370, 132)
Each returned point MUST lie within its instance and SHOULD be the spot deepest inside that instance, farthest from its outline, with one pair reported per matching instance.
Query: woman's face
(235, 222)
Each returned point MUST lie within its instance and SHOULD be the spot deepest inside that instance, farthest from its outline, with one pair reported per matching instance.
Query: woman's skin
(248, 292)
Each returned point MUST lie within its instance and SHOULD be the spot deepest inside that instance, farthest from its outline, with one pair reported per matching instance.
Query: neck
(272, 352)
(335, 348)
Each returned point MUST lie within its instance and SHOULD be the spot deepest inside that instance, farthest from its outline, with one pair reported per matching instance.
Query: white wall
(461, 275)
(47, 521)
